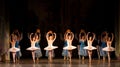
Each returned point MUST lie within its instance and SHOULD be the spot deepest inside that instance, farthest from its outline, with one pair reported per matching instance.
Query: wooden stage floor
(61, 63)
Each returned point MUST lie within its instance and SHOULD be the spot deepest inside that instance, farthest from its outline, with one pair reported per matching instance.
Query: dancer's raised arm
(87, 35)
(54, 37)
(112, 37)
(93, 37)
(30, 36)
(72, 36)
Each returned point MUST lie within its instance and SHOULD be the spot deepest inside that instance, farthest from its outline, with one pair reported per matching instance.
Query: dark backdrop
(58, 15)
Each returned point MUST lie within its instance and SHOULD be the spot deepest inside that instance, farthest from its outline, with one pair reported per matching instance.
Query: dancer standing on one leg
(38, 53)
(65, 52)
(18, 39)
(33, 40)
(50, 36)
(109, 48)
(90, 40)
(103, 44)
(82, 38)
(69, 47)
(13, 49)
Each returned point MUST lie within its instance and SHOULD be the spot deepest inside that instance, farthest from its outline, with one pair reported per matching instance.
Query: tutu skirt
(33, 48)
(50, 47)
(69, 47)
(14, 49)
(108, 49)
(90, 48)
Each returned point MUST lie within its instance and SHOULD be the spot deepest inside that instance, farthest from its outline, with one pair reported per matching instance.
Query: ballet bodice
(13, 44)
(33, 43)
(69, 42)
(109, 43)
(89, 43)
(50, 42)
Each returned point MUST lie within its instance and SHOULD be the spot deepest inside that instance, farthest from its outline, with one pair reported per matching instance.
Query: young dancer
(69, 38)
(89, 46)
(33, 40)
(65, 52)
(103, 44)
(82, 38)
(13, 49)
(18, 39)
(109, 48)
(38, 53)
(50, 36)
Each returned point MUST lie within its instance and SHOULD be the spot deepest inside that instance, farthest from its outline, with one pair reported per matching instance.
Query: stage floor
(61, 63)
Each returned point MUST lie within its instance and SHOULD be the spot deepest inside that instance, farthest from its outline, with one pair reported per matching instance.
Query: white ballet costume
(50, 45)
(108, 48)
(13, 48)
(33, 48)
(69, 46)
(90, 47)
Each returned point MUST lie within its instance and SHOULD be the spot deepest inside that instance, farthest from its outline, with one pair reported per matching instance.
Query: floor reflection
(62, 63)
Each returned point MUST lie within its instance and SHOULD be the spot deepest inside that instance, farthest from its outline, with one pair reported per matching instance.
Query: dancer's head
(83, 37)
(68, 30)
(109, 38)
(51, 37)
(33, 38)
(38, 30)
(37, 35)
(13, 37)
(90, 38)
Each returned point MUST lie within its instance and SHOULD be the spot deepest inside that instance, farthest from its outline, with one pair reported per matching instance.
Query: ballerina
(109, 48)
(33, 48)
(13, 49)
(82, 38)
(65, 52)
(18, 39)
(103, 44)
(50, 36)
(69, 47)
(89, 43)
(38, 53)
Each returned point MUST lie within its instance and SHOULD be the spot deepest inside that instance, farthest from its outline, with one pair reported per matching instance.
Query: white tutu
(69, 47)
(90, 48)
(33, 48)
(14, 49)
(108, 49)
(50, 47)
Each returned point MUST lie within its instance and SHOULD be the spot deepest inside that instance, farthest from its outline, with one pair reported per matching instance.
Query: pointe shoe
(89, 61)
(13, 61)
(64, 58)
(68, 58)
(34, 61)
(82, 58)
(37, 59)
(103, 58)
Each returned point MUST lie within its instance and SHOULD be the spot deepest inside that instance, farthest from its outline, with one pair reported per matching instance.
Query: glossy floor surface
(61, 63)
